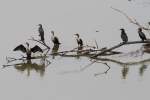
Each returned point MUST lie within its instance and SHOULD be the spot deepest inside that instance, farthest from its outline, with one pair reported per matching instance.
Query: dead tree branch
(43, 43)
(105, 72)
(131, 20)
(119, 45)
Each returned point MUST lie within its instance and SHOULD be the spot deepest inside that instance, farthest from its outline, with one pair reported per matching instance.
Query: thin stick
(131, 20)
(43, 43)
(105, 72)
(96, 44)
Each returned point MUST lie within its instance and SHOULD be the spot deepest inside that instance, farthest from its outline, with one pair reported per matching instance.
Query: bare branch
(96, 44)
(105, 72)
(43, 43)
(131, 20)
(119, 45)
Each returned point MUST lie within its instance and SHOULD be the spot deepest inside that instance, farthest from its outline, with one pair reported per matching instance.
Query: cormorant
(28, 50)
(79, 40)
(41, 32)
(55, 50)
(141, 34)
(124, 36)
(54, 39)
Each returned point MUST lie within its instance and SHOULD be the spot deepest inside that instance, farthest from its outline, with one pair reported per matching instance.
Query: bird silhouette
(41, 32)
(55, 39)
(79, 40)
(124, 36)
(28, 50)
(141, 34)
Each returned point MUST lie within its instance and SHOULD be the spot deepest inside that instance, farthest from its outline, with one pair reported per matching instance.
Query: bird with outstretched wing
(36, 49)
(20, 48)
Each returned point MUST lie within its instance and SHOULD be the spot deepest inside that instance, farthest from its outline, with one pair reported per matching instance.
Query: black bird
(141, 34)
(54, 51)
(124, 36)
(28, 50)
(55, 39)
(79, 40)
(41, 32)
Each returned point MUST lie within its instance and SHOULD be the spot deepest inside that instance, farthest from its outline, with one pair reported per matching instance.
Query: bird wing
(20, 48)
(56, 40)
(36, 48)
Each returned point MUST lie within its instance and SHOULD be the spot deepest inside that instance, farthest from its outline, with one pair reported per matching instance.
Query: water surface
(61, 80)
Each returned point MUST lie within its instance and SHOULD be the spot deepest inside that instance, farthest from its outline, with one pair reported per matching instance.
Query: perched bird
(54, 51)
(54, 39)
(41, 32)
(28, 50)
(124, 36)
(79, 40)
(141, 34)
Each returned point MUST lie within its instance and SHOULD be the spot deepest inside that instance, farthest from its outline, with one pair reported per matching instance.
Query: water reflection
(55, 50)
(79, 51)
(142, 69)
(126, 65)
(29, 66)
(125, 71)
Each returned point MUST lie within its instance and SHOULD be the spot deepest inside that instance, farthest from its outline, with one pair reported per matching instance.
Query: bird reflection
(55, 50)
(125, 71)
(79, 49)
(142, 69)
(29, 66)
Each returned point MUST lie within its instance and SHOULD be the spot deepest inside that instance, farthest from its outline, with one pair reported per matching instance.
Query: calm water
(62, 80)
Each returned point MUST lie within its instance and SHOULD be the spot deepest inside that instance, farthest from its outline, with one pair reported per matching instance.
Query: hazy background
(18, 22)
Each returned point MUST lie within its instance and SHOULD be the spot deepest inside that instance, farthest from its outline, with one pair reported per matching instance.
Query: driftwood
(119, 45)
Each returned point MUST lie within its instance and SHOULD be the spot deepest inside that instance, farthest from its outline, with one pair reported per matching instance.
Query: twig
(10, 59)
(96, 44)
(105, 72)
(43, 43)
(131, 20)
(87, 66)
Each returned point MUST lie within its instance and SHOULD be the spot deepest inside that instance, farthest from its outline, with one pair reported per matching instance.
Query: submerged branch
(124, 63)
(119, 45)
(105, 72)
